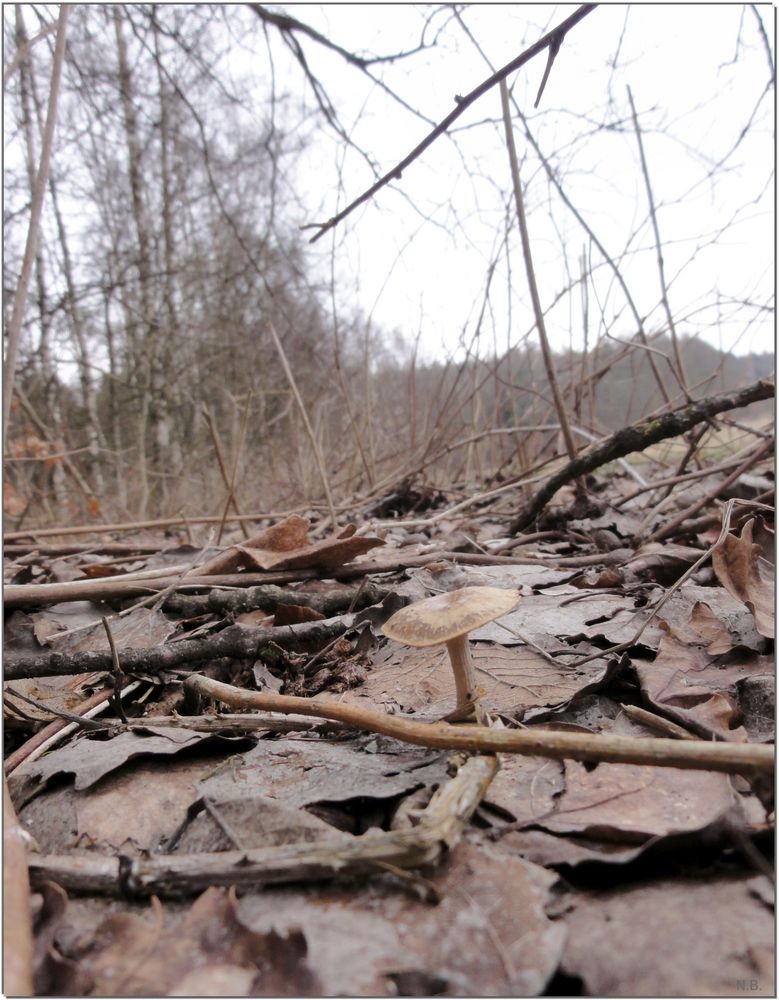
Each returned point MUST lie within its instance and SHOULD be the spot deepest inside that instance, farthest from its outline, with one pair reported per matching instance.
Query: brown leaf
(294, 614)
(513, 679)
(711, 629)
(91, 759)
(688, 685)
(629, 803)
(286, 546)
(676, 937)
(135, 956)
(745, 569)
(488, 935)
(299, 772)
(54, 975)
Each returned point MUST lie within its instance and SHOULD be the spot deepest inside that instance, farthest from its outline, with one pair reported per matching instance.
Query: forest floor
(189, 837)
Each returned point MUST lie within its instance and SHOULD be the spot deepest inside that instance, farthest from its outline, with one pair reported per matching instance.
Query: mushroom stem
(462, 666)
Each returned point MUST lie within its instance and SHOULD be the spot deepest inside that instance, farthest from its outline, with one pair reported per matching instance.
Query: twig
(546, 351)
(306, 422)
(440, 827)
(671, 526)
(656, 722)
(168, 522)
(223, 472)
(463, 103)
(80, 720)
(640, 436)
(695, 754)
(116, 698)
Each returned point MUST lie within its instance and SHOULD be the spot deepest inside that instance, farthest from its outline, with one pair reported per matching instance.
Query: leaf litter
(558, 858)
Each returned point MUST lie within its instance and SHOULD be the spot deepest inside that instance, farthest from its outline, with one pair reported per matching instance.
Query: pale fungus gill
(448, 618)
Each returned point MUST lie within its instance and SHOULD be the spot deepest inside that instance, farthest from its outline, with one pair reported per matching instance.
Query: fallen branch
(638, 437)
(439, 829)
(236, 642)
(30, 595)
(695, 754)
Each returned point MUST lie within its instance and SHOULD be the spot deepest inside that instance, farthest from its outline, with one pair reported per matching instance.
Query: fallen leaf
(286, 546)
(301, 772)
(89, 759)
(629, 803)
(697, 690)
(488, 935)
(674, 937)
(744, 569)
(137, 956)
(513, 679)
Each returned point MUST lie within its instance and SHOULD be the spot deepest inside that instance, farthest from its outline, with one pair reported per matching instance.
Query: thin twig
(546, 351)
(223, 472)
(463, 103)
(306, 422)
(116, 699)
(696, 754)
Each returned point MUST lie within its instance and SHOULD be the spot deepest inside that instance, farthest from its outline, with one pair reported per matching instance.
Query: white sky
(416, 257)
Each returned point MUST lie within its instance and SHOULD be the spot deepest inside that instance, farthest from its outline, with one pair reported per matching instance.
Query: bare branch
(550, 38)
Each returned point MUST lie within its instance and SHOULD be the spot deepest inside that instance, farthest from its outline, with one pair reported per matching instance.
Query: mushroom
(449, 618)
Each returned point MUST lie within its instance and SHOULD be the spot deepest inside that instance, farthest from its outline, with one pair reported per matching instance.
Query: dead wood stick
(116, 588)
(223, 472)
(638, 437)
(169, 522)
(696, 754)
(112, 549)
(236, 643)
(675, 523)
(439, 829)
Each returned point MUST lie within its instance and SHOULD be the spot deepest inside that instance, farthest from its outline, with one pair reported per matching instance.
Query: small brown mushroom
(448, 618)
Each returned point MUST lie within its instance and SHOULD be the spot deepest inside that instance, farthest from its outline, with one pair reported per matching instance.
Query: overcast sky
(416, 258)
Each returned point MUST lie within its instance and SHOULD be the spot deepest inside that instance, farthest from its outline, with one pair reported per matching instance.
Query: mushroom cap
(446, 616)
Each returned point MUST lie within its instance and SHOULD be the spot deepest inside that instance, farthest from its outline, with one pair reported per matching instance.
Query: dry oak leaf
(744, 567)
(286, 546)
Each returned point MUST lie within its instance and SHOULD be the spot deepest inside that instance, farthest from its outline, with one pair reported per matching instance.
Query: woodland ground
(183, 846)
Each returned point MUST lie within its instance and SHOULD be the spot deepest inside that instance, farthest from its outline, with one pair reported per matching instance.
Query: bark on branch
(552, 37)
(695, 754)
(235, 642)
(638, 437)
